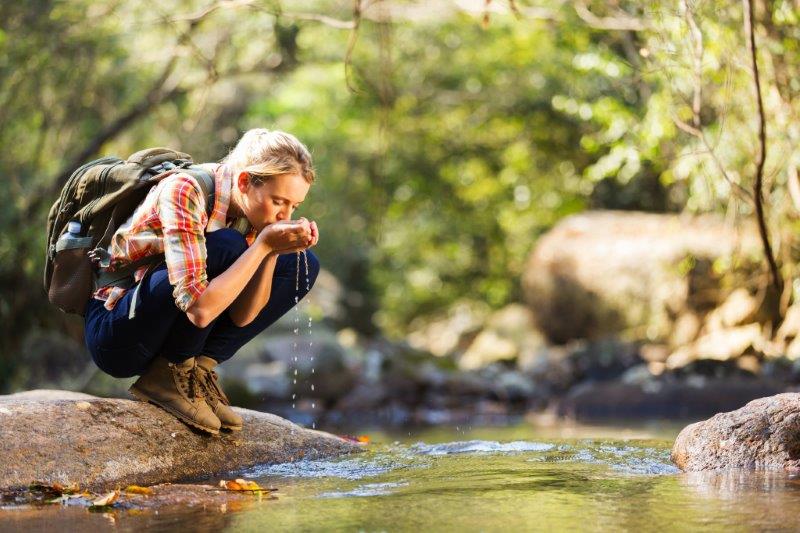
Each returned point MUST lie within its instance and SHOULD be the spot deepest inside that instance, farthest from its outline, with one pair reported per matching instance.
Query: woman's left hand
(314, 234)
(311, 242)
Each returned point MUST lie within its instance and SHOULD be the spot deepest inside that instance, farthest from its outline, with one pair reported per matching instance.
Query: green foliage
(459, 146)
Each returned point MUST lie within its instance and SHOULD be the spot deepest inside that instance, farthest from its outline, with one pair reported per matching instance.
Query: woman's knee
(223, 248)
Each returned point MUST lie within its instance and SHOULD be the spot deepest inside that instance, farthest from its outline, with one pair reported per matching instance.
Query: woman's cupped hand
(287, 236)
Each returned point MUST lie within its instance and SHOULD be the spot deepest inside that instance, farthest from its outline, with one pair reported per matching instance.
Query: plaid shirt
(172, 219)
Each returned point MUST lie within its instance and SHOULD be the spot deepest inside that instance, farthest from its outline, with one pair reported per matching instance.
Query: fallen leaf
(243, 485)
(54, 488)
(361, 439)
(106, 499)
(136, 489)
(248, 485)
(230, 485)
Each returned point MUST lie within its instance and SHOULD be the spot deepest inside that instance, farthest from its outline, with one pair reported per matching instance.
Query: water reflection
(739, 484)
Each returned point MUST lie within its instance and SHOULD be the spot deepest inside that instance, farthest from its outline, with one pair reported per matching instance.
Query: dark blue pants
(123, 347)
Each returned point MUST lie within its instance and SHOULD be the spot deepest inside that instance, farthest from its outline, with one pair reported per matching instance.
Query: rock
(47, 394)
(52, 360)
(788, 335)
(325, 299)
(454, 330)
(739, 308)
(111, 442)
(550, 367)
(211, 509)
(765, 433)
(488, 347)
(509, 332)
(692, 397)
(599, 273)
(685, 329)
(721, 345)
(270, 380)
(277, 364)
(602, 359)
(512, 386)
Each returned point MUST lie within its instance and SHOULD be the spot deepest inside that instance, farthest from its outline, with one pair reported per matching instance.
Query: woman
(217, 288)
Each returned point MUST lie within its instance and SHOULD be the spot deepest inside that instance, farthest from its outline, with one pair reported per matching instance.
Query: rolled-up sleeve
(181, 209)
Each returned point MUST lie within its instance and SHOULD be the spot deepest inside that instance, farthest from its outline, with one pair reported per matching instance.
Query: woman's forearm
(225, 288)
(256, 293)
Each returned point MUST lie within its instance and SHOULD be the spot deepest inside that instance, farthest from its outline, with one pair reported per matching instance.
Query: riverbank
(487, 478)
(56, 438)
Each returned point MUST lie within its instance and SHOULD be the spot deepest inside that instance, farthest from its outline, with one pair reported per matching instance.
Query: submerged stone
(57, 437)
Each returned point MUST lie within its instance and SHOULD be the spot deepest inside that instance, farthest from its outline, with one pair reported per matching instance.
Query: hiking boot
(176, 388)
(215, 398)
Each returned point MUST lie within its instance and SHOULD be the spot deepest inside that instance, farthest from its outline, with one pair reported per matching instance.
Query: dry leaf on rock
(106, 499)
(136, 489)
(242, 485)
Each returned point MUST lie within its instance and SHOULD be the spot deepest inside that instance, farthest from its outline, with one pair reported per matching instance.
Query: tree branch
(622, 21)
(777, 280)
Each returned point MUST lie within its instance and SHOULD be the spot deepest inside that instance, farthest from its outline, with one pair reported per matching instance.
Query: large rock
(598, 273)
(765, 433)
(509, 333)
(109, 442)
(642, 397)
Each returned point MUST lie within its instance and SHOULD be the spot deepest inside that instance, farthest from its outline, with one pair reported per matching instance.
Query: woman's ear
(243, 181)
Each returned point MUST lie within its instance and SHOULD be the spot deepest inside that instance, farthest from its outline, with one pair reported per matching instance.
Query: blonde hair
(263, 154)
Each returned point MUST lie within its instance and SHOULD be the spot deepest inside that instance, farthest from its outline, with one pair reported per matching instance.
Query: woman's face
(272, 201)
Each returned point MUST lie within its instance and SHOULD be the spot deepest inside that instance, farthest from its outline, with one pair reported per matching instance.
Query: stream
(556, 478)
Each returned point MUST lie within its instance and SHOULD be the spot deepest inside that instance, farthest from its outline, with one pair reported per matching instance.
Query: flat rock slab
(764, 434)
(107, 443)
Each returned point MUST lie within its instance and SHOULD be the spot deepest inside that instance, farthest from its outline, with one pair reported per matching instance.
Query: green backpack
(98, 198)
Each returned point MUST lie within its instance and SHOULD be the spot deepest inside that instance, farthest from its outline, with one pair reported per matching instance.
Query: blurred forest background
(518, 200)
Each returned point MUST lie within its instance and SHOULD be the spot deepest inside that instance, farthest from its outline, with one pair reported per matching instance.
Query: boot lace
(190, 381)
(211, 386)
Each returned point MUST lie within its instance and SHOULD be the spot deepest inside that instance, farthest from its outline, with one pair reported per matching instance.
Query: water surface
(487, 479)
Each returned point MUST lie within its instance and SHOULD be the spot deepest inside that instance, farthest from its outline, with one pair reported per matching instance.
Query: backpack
(101, 195)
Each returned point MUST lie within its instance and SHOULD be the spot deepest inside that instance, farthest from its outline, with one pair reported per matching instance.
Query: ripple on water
(345, 468)
(624, 459)
(369, 489)
(480, 447)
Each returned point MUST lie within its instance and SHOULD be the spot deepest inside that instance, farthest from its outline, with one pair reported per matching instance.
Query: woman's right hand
(287, 236)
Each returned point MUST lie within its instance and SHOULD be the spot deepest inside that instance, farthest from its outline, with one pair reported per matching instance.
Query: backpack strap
(205, 179)
(123, 277)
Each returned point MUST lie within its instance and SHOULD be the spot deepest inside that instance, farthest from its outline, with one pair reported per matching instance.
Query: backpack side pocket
(73, 276)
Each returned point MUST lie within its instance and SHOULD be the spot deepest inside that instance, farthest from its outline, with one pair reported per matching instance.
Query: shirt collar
(223, 185)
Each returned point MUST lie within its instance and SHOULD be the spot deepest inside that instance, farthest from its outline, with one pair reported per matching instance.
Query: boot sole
(138, 394)
(231, 428)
